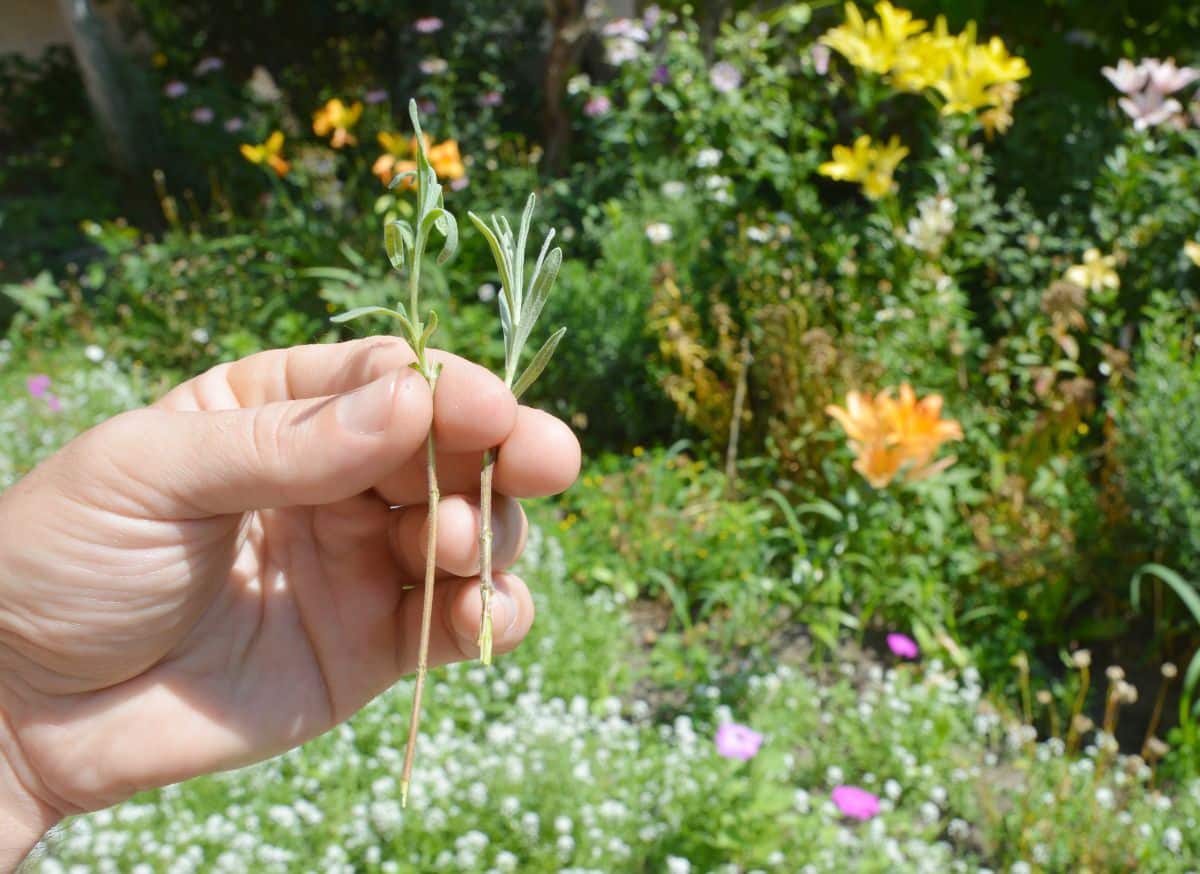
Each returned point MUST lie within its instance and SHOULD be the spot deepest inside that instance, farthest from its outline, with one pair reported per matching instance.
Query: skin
(218, 578)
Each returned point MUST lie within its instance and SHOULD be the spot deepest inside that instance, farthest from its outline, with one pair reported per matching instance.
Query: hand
(219, 577)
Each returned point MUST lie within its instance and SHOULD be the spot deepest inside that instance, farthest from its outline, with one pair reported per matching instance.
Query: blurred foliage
(1036, 279)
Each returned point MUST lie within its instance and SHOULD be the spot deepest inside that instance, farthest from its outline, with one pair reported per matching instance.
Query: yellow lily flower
(268, 152)
(1096, 273)
(871, 166)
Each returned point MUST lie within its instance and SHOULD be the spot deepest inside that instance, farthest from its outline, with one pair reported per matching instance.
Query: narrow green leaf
(400, 177)
(1190, 678)
(429, 329)
(538, 364)
(448, 225)
(357, 312)
(1178, 584)
(519, 251)
(506, 325)
(334, 274)
(398, 241)
(543, 282)
(498, 254)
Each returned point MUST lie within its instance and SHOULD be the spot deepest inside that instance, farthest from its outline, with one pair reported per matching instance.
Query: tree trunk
(121, 103)
(569, 30)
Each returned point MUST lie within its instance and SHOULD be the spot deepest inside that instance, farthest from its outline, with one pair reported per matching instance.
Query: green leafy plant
(519, 310)
(1189, 709)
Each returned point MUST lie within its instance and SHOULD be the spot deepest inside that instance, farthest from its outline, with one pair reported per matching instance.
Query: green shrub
(1158, 429)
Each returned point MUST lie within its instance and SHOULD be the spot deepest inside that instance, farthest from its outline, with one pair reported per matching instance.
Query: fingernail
(369, 409)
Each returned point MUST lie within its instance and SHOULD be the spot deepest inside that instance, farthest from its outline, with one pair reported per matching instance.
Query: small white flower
(1173, 840)
(94, 353)
(199, 335)
(621, 50)
(433, 66)
(673, 189)
(659, 233)
(678, 865)
(708, 157)
(578, 84)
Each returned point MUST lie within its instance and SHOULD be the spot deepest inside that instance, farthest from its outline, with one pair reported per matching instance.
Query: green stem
(487, 586)
(427, 607)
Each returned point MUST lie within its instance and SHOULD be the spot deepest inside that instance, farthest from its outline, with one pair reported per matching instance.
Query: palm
(282, 625)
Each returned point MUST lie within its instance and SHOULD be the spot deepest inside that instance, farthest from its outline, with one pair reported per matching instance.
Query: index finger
(473, 410)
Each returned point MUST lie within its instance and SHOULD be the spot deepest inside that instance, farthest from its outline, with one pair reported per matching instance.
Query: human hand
(219, 577)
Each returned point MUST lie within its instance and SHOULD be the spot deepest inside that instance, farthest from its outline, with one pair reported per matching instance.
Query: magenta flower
(661, 75)
(490, 99)
(175, 89)
(738, 741)
(903, 646)
(38, 385)
(855, 803)
(429, 24)
(597, 106)
(202, 115)
(375, 95)
(427, 106)
(53, 403)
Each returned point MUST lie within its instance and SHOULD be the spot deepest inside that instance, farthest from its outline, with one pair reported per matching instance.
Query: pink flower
(460, 183)
(725, 77)
(1125, 77)
(38, 385)
(903, 646)
(233, 125)
(175, 89)
(490, 98)
(738, 741)
(375, 95)
(597, 106)
(53, 403)
(1150, 108)
(429, 24)
(820, 55)
(1167, 78)
(855, 803)
(202, 115)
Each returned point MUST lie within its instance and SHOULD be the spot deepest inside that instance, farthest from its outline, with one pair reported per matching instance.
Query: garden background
(883, 344)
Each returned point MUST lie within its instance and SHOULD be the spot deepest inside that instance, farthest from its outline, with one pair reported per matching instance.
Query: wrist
(24, 818)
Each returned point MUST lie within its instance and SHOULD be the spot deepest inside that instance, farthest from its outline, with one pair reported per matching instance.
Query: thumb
(313, 451)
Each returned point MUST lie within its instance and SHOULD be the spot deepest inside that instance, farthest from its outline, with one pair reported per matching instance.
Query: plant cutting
(405, 243)
(519, 310)
(520, 307)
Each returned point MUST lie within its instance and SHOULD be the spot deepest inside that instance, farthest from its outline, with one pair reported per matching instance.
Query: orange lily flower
(337, 118)
(890, 435)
